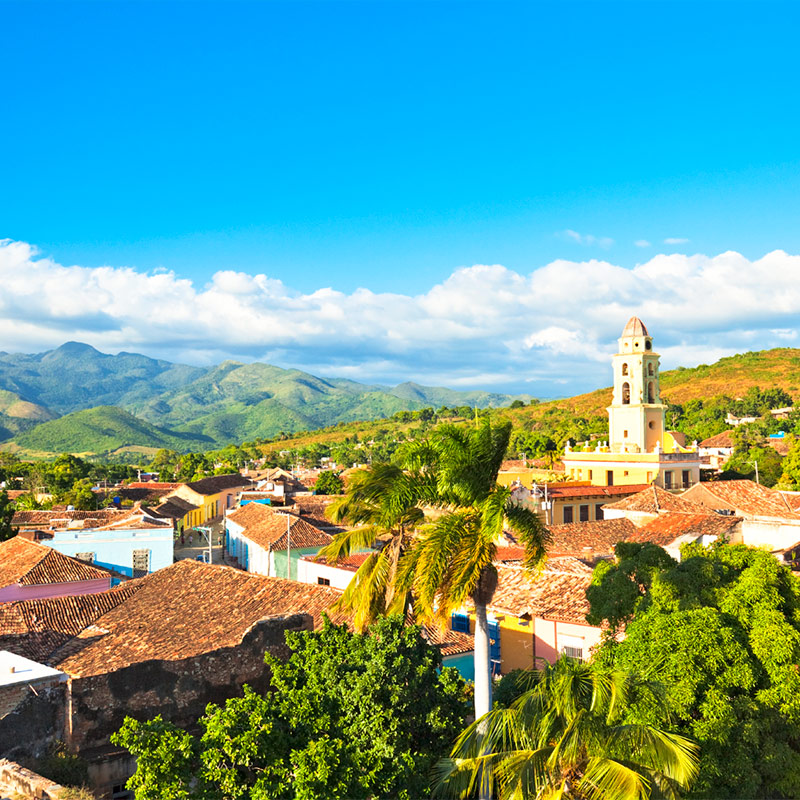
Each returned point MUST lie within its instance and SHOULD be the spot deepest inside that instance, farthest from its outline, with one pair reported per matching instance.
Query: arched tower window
(626, 393)
(650, 368)
(651, 395)
(624, 369)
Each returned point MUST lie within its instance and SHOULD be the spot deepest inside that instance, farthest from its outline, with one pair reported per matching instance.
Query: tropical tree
(451, 562)
(382, 504)
(566, 737)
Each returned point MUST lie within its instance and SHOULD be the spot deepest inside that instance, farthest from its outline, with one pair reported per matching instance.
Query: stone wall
(178, 690)
(16, 781)
(35, 722)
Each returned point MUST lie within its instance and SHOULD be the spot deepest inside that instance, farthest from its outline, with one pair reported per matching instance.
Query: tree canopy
(349, 716)
(721, 631)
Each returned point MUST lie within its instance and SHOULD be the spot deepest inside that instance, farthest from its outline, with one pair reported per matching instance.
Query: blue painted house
(131, 542)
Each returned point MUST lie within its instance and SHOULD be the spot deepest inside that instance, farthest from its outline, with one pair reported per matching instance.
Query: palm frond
(530, 531)
(607, 779)
(346, 542)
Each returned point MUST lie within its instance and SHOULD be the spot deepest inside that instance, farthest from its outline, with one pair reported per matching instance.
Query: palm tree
(382, 503)
(565, 738)
(451, 562)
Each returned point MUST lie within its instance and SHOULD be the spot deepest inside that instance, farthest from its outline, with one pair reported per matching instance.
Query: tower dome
(635, 327)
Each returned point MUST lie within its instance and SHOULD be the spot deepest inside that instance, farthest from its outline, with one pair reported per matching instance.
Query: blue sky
(386, 145)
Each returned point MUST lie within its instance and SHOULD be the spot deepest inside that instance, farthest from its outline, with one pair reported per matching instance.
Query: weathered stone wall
(17, 781)
(177, 690)
(35, 723)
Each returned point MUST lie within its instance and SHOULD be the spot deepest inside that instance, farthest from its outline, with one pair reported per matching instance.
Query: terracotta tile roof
(218, 483)
(26, 563)
(557, 491)
(450, 643)
(510, 553)
(174, 508)
(668, 527)
(153, 485)
(267, 528)
(37, 628)
(724, 439)
(60, 518)
(557, 593)
(312, 507)
(582, 539)
(157, 617)
(747, 498)
(654, 499)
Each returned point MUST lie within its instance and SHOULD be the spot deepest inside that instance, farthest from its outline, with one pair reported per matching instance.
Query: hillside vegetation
(579, 416)
(101, 430)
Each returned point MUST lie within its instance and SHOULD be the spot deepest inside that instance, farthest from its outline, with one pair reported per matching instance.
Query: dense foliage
(329, 482)
(349, 716)
(567, 736)
(721, 631)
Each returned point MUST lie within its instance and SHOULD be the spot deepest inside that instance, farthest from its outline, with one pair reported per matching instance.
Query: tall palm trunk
(483, 679)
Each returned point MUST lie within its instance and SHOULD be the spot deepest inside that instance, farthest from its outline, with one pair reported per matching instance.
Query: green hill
(102, 430)
(217, 405)
(573, 416)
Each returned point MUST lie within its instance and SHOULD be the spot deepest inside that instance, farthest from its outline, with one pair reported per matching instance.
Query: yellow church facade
(639, 449)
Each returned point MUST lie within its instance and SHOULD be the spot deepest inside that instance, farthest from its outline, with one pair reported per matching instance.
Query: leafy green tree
(567, 737)
(80, 495)
(329, 482)
(516, 404)
(790, 476)
(349, 716)
(744, 459)
(7, 530)
(721, 631)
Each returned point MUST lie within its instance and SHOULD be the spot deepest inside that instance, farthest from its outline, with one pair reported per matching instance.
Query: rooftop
(27, 563)
(219, 483)
(582, 539)
(724, 439)
(560, 490)
(159, 617)
(747, 498)
(266, 527)
(352, 563)
(667, 528)
(17, 669)
(557, 593)
(654, 499)
(634, 327)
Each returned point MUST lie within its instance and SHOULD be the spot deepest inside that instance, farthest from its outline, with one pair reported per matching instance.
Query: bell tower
(636, 414)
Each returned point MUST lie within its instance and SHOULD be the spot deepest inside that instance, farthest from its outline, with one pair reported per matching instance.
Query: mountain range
(77, 399)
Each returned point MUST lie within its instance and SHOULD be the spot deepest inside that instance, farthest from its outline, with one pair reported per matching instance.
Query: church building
(639, 449)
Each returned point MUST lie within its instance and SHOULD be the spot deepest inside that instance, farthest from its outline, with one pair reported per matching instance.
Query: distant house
(670, 530)
(718, 449)
(769, 519)
(315, 569)
(535, 619)
(566, 503)
(646, 505)
(261, 539)
(29, 571)
(211, 497)
(129, 541)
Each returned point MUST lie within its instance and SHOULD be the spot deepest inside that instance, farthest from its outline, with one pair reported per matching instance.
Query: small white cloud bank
(586, 239)
(548, 332)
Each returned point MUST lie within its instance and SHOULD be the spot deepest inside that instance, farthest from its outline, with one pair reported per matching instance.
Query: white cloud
(586, 239)
(548, 332)
(642, 243)
(675, 240)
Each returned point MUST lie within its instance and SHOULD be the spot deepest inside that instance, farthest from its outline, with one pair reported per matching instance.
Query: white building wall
(310, 571)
